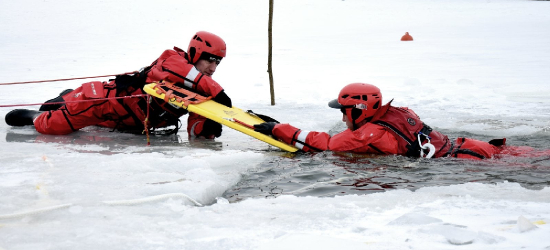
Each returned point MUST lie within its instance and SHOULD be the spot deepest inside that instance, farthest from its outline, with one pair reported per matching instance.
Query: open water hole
(329, 174)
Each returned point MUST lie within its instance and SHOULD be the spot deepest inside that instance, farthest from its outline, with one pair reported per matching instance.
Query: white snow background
(477, 66)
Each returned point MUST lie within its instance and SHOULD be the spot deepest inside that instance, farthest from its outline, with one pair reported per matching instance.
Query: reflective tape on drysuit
(193, 73)
(301, 140)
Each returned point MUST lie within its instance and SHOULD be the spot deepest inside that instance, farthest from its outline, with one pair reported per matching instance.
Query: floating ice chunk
(525, 225)
(415, 219)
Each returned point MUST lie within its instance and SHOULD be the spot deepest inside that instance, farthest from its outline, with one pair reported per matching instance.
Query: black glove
(126, 81)
(498, 142)
(265, 128)
(222, 98)
(210, 128)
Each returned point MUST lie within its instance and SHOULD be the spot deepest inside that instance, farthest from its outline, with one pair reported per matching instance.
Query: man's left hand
(265, 128)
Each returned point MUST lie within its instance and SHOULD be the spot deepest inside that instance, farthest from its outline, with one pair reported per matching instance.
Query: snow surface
(476, 66)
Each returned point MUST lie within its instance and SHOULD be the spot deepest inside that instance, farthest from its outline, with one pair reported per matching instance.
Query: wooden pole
(269, 69)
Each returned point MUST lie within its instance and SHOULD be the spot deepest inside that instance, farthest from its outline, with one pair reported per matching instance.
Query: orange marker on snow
(406, 37)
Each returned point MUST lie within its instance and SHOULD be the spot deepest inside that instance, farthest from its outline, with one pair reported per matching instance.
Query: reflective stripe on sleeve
(193, 73)
(301, 140)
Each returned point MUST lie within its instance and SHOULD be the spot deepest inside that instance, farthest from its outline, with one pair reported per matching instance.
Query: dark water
(328, 174)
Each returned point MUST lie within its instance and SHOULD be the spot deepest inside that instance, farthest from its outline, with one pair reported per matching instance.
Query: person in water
(375, 128)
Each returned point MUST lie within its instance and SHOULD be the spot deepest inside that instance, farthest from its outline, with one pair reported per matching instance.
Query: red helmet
(205, 45)
(358, 101)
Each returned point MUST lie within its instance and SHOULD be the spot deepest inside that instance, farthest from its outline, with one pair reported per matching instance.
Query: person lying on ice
(194, 69)
(380, 129)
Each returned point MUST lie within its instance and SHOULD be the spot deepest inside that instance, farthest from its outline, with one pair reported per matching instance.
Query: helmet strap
(186, 56)
(355, 114)
(192, 52)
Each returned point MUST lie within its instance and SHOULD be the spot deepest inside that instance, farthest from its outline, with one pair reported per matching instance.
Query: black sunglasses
(214, 59)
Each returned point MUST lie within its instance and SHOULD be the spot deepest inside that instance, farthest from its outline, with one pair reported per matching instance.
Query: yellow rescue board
(231, 117)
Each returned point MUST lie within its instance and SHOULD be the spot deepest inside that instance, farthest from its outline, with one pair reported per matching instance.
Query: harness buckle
(427, 146)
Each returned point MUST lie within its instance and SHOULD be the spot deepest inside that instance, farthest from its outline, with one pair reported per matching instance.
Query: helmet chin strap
(188, 58)
(353, 119)
(350, 115)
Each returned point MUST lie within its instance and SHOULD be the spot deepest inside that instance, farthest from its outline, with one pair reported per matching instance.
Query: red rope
(95, 99)
(145, 122)
(67, 79)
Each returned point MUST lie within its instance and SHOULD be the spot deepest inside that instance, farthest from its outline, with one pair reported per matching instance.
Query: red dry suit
(392, 131)
(86, 105)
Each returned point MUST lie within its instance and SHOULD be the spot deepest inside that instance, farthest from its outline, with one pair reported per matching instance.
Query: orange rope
(243, 123)
(67, 79)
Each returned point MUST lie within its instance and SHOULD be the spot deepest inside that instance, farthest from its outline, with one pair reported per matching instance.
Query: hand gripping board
(234, 117)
